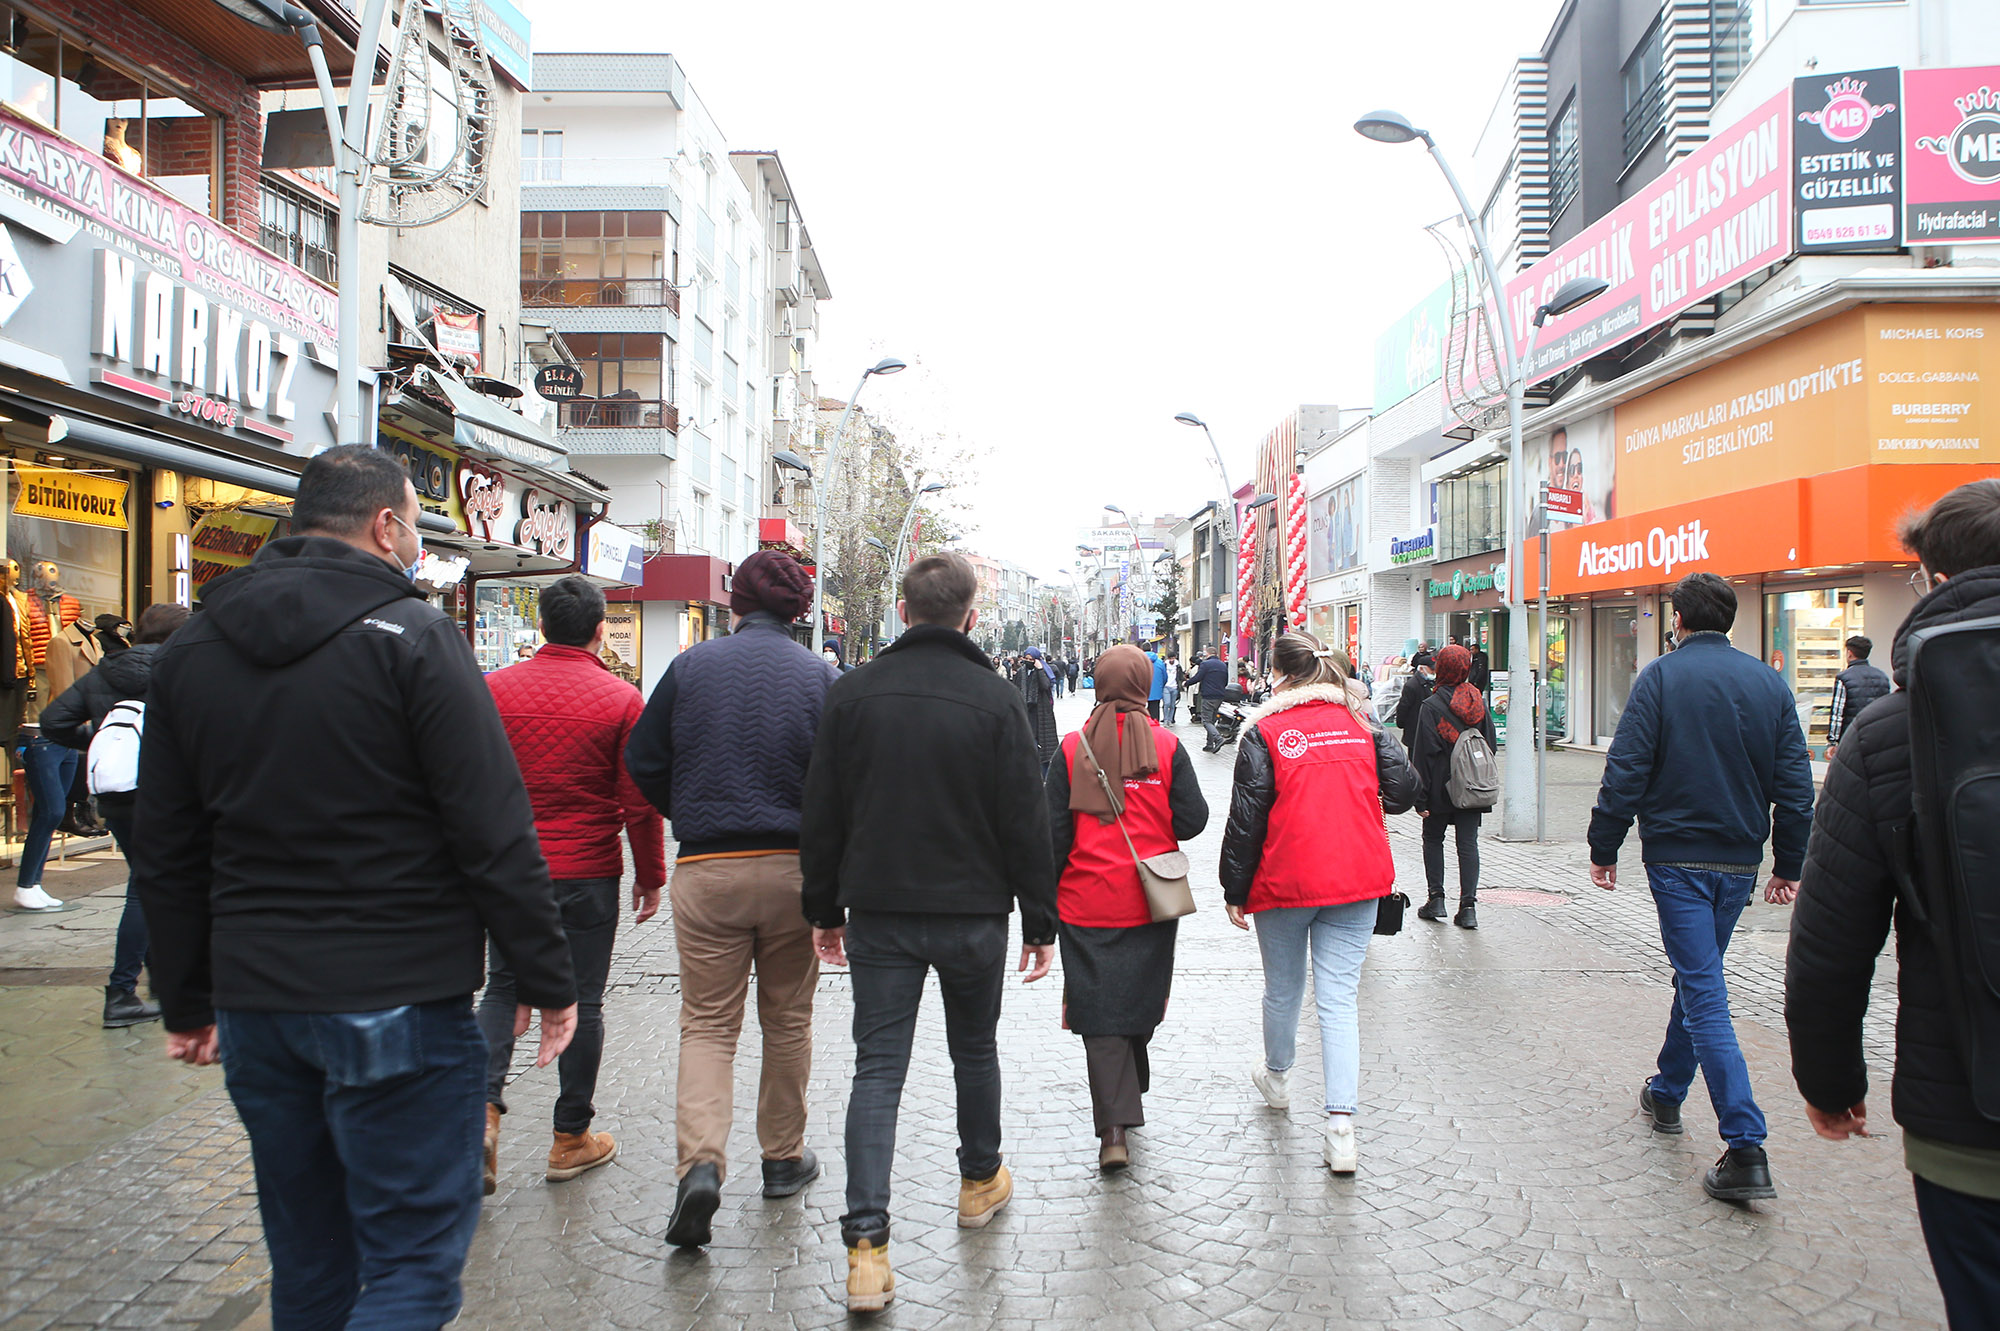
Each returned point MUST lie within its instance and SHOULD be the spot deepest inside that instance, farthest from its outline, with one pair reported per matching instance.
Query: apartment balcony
(600, 293)
(618, 425)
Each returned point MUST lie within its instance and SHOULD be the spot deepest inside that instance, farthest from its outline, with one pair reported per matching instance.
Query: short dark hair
(342, 490)
(1860, 646)
(157, 622)
(1958, 532)
(1705, 603)
(572, 608)
(939, 589)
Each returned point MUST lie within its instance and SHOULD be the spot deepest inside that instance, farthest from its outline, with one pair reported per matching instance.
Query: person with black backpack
(1879, 828)
(103, 713)
(1708, 750)
(1449, 730)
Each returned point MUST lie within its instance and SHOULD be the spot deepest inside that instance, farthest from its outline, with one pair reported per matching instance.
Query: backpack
(1948, 858)
(1474, 781)
(113, 760)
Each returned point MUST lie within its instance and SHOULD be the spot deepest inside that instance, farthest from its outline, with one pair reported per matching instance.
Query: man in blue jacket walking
(1709, 745)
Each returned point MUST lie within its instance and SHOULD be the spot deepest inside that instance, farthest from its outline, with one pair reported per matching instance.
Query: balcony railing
(599, 171)
(619, 413)
(588, 292)
(1645, 116)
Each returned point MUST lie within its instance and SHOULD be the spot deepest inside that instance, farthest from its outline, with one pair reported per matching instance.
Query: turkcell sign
(1662, 549)
(1414, 549)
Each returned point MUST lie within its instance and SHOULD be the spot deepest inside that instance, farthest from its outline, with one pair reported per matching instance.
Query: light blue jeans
(1337, 937)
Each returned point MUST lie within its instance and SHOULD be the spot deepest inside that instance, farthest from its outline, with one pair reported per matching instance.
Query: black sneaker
(1743, 1174)
(1432, 909)
(782, 1178)
(124, 1007)
(1665, 1114)
(1467, 917)
(694, 1205)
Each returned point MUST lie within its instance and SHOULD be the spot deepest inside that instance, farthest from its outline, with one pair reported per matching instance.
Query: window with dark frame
(627, 377)
(1645, 78)
(596, 258)
(298, 229)
(1565, 158)
(1729, 49)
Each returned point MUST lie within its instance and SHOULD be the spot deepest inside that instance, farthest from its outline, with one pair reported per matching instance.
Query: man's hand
(198, 1047)
(558, 1025)
(1781, 891)
(1605, 876)
(830, 946)
(1839, 1127)
(1039, 953)
(1235, 914)
(1830, 751)
(645, 903)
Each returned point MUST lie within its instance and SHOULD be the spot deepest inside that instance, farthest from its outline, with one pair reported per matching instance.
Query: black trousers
(1963, 1234)
(1120, 1073)
(888, 956)
(590, 918)
(1466, 828)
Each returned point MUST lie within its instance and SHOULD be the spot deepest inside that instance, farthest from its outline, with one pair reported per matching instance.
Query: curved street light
(887, 365)
(1226, 514)
(902, 538)
(1524, 795)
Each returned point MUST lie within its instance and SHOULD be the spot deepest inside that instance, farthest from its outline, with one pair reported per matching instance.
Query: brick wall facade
(120, 32)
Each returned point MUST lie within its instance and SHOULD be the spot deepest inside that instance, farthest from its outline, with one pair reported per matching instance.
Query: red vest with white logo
(1326, 845)
(1099, 888)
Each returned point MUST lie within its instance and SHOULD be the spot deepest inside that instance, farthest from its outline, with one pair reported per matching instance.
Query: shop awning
(427, 421)
(486, 426)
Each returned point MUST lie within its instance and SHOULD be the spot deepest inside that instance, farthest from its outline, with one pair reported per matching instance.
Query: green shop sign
(1465, 584)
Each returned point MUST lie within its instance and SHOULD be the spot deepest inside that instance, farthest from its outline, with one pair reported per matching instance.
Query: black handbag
(1389, 913)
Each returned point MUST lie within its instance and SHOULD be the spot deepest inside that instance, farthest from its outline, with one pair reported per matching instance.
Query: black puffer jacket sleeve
(1185, 800)
(1062, 822)
(68, 719)
(1395, 775)
(1841, 920)
(1256, 789)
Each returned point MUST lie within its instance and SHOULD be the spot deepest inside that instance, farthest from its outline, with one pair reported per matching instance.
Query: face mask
(410, 570)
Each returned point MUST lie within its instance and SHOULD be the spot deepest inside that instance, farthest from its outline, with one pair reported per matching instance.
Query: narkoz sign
(1847, 161)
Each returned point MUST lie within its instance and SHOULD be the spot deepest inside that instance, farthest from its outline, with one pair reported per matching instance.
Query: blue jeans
(50, 768)
(128, 955)
(366, 1129)
(1698, 913)
(1337, 937)
(1170, 704)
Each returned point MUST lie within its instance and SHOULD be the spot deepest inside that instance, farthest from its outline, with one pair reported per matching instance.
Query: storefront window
(1805, 642)
(1472, 513)
(506, 623)
(1558, 678)
(133, 122)
(1617, 664)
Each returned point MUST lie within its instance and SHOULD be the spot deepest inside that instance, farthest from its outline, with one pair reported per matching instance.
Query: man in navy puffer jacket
(722, 750)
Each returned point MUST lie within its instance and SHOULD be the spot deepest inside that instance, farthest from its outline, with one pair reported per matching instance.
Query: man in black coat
(924, 823)
(1846, 901)
(1410, 702)
(1853, 689)
(330, 823)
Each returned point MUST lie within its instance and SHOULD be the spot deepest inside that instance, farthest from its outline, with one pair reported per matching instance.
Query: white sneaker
(1341, 1156)
(1276, 1086)
(33, 898)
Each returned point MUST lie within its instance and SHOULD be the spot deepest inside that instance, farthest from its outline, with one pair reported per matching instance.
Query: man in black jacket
(1845, 905)
(924, 818)
(330, 821)
(1209, 682)
(1853, 689)
(1707, 748)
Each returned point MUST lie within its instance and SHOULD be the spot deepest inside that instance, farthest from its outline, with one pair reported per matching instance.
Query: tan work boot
(492, 1167)
(978, 1199)
(870, 1282)
(575, 1152)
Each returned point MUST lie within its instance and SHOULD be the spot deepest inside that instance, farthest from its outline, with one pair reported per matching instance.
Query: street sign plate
(1563, 505)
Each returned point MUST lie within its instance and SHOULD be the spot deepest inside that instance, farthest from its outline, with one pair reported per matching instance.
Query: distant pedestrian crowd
(340, 834)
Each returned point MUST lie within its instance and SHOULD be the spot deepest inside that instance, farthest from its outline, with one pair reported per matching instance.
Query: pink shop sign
(121, 211)
(1710, 220)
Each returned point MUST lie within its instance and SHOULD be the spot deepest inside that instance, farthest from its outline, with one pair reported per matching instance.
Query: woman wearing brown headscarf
(1117, 963)
(1453, 707)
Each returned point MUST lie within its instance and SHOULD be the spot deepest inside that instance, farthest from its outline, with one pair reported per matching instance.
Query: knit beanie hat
(771, 581)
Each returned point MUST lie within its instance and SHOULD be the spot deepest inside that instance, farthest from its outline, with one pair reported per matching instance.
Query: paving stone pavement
(1506, 1178)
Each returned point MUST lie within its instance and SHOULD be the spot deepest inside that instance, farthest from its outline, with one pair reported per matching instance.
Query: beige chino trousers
(730, 915)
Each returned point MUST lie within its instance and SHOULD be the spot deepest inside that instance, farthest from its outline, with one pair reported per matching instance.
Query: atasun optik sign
(1663, 550)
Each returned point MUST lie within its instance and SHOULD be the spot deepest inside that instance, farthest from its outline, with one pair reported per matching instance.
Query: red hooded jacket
(568, 718)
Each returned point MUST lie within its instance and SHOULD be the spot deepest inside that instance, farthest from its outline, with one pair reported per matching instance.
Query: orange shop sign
(1897, 384)
(1753, 531)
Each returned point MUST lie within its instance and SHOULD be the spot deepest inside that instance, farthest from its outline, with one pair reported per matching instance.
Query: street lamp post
(888, 365)
(902, 539)
(1227, 515)
(1517, 819)
(1137, 565)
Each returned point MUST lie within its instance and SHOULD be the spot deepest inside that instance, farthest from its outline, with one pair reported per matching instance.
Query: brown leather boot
(870, 1282)
(492, 1169)
(978, 1199)
(1113, 1154)
(575, 1152)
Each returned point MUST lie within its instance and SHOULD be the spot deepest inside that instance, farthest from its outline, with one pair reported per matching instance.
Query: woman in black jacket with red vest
(1118, 964)
(1307, 853)
(1454, 707)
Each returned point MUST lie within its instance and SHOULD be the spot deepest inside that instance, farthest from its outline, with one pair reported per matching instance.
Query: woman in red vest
(1307, 853)
(1117, 963)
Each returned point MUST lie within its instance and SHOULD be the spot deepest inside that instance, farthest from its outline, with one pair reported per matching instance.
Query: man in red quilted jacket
(569, 719)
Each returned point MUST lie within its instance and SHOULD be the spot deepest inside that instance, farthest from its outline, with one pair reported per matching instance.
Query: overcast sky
(1077, 219)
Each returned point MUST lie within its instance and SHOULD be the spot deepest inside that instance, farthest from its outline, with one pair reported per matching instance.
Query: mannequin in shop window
(70, 653)
(17, 685)
(51, 768)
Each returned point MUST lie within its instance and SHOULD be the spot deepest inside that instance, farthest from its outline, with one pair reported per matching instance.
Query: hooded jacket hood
(128, 672)
(1973, 594)
(296, 594)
